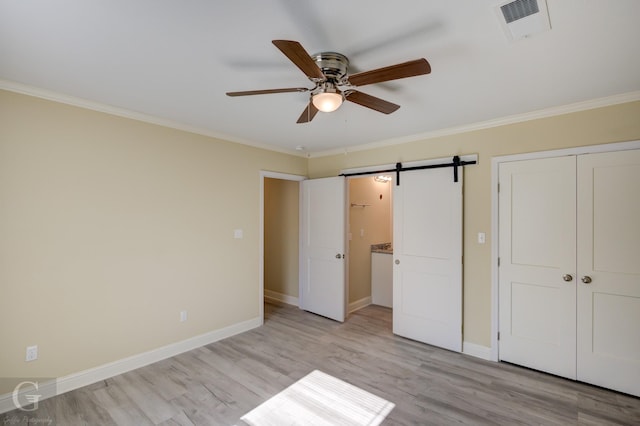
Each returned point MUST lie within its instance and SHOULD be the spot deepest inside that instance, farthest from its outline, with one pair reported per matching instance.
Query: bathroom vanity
(382, 274)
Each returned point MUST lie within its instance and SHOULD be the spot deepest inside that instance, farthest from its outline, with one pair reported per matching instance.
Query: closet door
(537, 250)
(608, 285)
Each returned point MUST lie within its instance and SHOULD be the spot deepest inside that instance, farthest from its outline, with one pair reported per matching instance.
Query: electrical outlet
(32, 353)
(183, 316)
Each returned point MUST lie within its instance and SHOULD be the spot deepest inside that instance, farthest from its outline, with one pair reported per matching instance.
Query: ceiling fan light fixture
(329, 73)
(328, 100)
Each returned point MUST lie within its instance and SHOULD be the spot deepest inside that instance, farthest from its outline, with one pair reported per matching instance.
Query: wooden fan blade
(268, 91)
(372, 102)
(296, 54)
(393, 72)
(307, 115)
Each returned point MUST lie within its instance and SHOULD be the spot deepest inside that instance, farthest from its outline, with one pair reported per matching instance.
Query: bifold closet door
(608, 285)
(537, 250)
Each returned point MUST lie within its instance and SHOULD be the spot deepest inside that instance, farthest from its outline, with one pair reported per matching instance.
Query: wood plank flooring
(218, 383)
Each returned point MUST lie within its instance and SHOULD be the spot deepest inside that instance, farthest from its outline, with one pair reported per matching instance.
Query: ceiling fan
(329, 71)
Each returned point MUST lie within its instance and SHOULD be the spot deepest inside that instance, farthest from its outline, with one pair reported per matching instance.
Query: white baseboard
(93, 375)
(477, 351)
(274, 296)
(359, 304)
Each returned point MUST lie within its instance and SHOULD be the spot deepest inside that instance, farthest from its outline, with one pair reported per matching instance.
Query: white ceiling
(175, 60)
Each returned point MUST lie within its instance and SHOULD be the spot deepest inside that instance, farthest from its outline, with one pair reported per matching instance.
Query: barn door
(427, 240)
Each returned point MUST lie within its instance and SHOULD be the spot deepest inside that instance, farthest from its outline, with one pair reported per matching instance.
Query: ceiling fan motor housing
(333, 65)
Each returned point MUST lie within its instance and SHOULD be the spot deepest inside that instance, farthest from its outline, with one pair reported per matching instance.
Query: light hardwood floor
(218, 383)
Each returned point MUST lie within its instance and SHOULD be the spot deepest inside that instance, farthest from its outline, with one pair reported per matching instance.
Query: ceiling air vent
(523, 18)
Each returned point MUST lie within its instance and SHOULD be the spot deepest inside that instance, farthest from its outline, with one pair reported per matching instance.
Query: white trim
(125, 113)
(282, 176)
(494, 258)
(103, 372)
(359, 304)
(495, 163)
(274, 296)
(476, 350)
(511, 119)
(261, 291)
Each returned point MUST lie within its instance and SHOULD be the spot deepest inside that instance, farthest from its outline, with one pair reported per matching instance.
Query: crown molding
(503, 121)
(512, 119)
(49, 95)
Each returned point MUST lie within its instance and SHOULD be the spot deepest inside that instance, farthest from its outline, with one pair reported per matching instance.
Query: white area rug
(320, 399)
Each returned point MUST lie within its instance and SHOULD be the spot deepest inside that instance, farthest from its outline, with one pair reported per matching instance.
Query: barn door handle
(586, 279)
(567, 277)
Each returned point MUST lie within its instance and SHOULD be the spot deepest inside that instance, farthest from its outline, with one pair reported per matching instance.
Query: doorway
(427, 233)
(370, 241)
(279, 232)
(424, 266)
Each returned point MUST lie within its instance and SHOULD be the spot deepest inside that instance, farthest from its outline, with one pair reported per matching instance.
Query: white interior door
(322, 266)
(427, 240)
(609, 255)
(537, 210)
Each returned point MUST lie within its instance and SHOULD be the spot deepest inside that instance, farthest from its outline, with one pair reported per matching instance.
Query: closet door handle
(567, 277)
(586, 279)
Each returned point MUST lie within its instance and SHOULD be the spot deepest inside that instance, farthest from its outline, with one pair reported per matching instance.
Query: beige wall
(375, 221)
(281, 206)
(109, 227)
(604, 125)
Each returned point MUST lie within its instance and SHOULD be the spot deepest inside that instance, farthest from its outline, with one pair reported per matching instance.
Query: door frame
(495, 164)
(356, 306)
(272, 175)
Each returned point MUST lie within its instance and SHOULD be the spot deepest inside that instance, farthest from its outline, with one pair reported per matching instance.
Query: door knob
(567, 277)
(397, 261)
(338, 256)
(586, 279)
